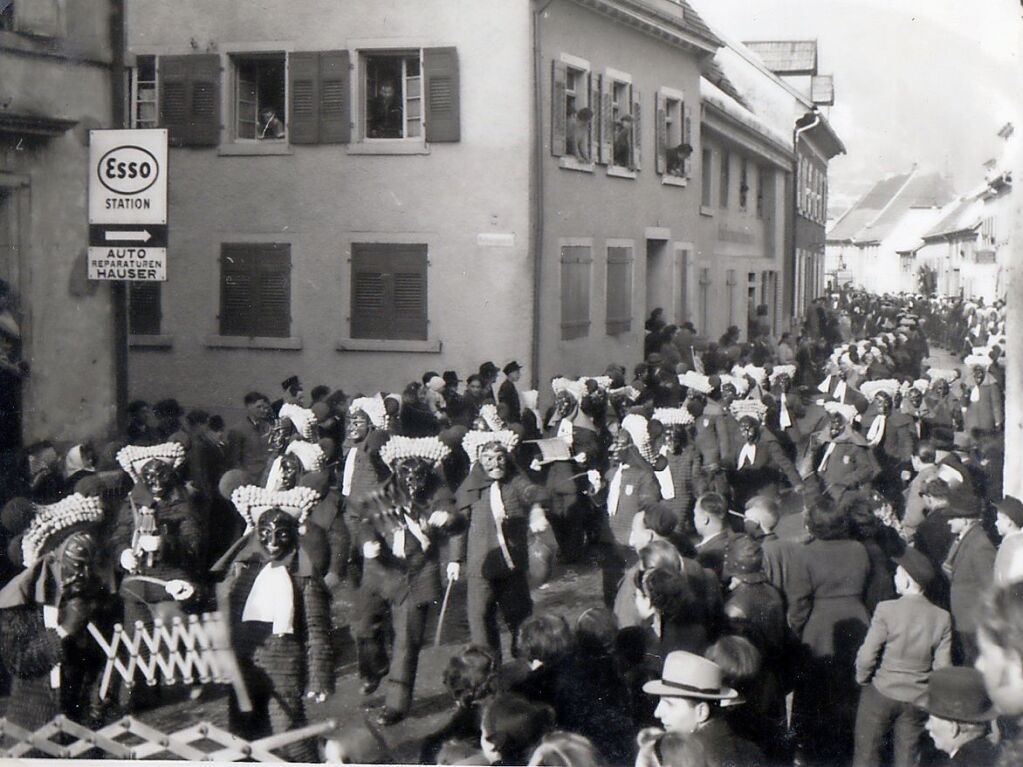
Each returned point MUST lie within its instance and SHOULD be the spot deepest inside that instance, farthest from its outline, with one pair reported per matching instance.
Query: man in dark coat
(502, 507)
(960, 713)
(508, 393)
(969, 567)
(399, 531)
(248, 442)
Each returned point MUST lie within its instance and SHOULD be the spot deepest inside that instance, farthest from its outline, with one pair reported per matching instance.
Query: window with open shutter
(637, 128)
(619, 289)
(687, 139)
(144, 313)
(576, 261)
(440, 65)
(389, 291)
(189, 88)
(660, 133)
(255, 290)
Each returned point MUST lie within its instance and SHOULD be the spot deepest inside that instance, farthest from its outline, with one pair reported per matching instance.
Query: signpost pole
(118, 289)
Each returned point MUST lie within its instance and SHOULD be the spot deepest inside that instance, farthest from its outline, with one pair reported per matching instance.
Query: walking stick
(443, 612)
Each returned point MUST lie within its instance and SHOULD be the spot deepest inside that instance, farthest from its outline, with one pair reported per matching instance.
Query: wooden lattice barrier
(192, 651)
(199, 742)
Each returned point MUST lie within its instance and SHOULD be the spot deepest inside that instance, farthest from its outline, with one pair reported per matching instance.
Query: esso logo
(128, 170)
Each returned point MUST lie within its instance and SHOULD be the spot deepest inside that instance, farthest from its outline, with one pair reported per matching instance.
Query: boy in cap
(959, 711)
(1009, 523)
(692, 693)
(908, 638)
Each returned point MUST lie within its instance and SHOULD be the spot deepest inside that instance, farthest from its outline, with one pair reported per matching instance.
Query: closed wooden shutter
(190, 99)
(443, 124)
(619, 290)
(304, 84)
(575, 291)
(144, 313)
(637, 129)
(335, 98)
(606, 120)
(389, 291)
(687, 138)
(320, 89)
(255, 289)
(559, 107)
(660, 133)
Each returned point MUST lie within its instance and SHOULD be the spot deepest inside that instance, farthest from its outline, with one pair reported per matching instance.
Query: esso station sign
(128, 170)
(128, 205)
(128, 176)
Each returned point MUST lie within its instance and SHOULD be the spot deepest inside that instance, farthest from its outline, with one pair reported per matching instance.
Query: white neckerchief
(497, 509)
(412, 526)
(565, 431)
(975, 394)
(346, 478)
(748, 453)
(614, 491)
(273, 477)
(272, 599)
(665, 481)
(50, 621)
(784, 419)
(840, 389)
(876, 433)
(824, 459)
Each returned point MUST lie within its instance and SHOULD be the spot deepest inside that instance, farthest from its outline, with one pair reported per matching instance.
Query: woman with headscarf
(79, 463)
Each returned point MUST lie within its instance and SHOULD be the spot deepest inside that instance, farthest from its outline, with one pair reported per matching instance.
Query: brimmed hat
(253, 501)
(474, 441)
(917, 565)
(291, 383)
(133, 457)
(511, 367)
(430, 449)
(451, 377)
(1012, 508)
(686, 675)
(957, 693)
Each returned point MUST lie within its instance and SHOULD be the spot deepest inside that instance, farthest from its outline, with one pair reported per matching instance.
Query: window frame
(363, 55)
(744, 187)
(235, 58)
(760, 175)
(724, 178)
(360, 329)
(706, 180)
(157, 328)
(617, 88)
(136, 81)
(581, 66)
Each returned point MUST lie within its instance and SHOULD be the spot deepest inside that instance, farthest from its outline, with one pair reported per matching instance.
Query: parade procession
(583, 383)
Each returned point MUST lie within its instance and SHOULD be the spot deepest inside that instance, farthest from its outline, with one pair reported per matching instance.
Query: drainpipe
(537, 196)
(119, 290)
(796, 133)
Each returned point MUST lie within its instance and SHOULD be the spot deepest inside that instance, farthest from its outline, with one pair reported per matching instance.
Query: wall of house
(598, 209)
(66, 322)
(735, 243)
(467, 201)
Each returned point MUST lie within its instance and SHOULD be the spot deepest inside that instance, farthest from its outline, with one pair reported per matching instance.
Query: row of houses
(912, 233)
(363, 191)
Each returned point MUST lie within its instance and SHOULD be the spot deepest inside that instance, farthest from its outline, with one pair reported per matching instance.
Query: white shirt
(748, 454)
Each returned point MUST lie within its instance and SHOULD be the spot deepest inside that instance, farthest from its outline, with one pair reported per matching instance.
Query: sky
(916, 81)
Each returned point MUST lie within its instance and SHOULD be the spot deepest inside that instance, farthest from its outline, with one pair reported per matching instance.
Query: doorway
(10, 324)
(659, 281)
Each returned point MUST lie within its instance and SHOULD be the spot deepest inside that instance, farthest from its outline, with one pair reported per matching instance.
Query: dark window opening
(394, 96)
(260, 98)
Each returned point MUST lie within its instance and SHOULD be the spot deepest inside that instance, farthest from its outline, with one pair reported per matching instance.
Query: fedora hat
(957, 693)
(686, 675)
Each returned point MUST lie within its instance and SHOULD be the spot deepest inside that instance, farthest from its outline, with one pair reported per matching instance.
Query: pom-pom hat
(133, 457)
(474, 441)
(253, 501)
(372, 407)
(303, 419)
(49, 520)
(673, 416)
(430, 449)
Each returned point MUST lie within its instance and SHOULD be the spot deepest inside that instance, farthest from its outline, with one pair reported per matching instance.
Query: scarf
(876, 433)
(784, 419)
(975, 394)
(823, 465)
(272, 599)
(748, 453)
(499, 513)
(614, 490)
(411, 525)
(666, 482)
(349, 472)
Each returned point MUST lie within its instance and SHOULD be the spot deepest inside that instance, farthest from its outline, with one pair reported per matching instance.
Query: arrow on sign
(136, 236)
